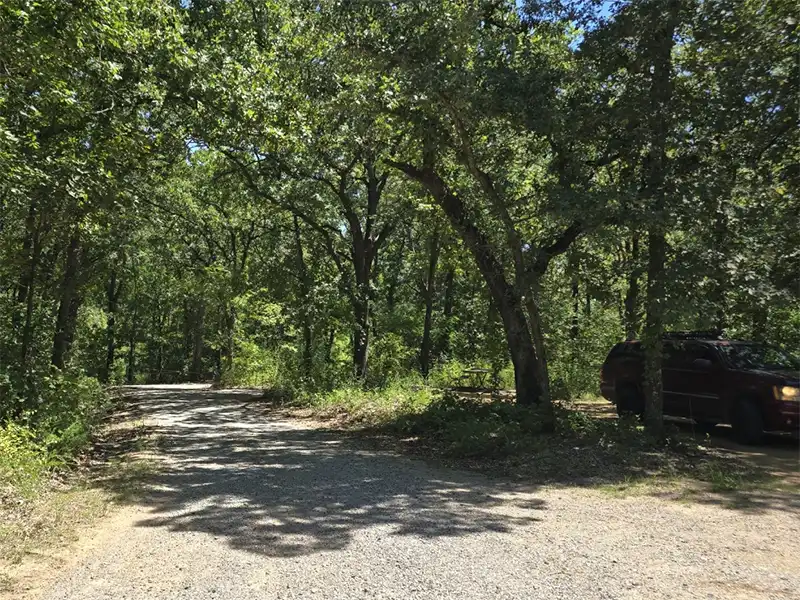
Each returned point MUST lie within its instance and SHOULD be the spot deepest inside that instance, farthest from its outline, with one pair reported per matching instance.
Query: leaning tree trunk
(507, 298)
(540, 355)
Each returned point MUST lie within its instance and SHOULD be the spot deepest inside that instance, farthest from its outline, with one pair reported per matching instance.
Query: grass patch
(49, 520)
(501, 438)
(356, 407)
(46, 500)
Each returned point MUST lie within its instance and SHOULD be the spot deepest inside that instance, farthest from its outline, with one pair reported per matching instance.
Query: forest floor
(244, 501)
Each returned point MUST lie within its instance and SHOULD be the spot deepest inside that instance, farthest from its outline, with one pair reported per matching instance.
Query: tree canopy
(303, 194)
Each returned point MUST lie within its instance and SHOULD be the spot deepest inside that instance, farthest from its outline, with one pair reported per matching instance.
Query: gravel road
(255, 506)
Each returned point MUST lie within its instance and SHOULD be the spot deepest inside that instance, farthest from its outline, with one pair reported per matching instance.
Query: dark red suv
(754, 387)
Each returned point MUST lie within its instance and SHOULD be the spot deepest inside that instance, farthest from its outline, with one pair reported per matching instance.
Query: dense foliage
(315, 195)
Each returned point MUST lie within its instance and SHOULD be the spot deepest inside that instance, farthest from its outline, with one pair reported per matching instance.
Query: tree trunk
(308, 346)
(631, 314)
(72, 320)
(304, 295)
(329, 346)
(130, 375)
(198, 326)
(159, 327)
(32, 231)
(527, 365)
(68, 304)
(29, 290)
(429, 291)
(653, 331)
(719, 292)
(447, 312)
(540, 357)
(360, 337)
(527, 368)
(226, 352)
(759, 323)
(655, 173)
(365, 243)
(112, 300)
(575, 289)
(393, 276)
(425, 349)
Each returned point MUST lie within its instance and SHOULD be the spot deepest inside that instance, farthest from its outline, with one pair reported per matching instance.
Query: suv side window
(682, 354)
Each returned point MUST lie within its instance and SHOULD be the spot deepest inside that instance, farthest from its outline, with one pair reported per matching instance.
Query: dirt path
(249, 506)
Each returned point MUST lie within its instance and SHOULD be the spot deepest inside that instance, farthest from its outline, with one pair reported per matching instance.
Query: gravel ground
(252, 506)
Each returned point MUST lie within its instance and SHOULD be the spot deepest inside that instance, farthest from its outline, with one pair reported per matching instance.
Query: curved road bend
(252, 506)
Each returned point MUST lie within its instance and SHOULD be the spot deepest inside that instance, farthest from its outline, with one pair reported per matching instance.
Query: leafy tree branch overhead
(305, 195)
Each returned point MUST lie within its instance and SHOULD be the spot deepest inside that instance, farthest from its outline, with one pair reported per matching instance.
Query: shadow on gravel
(273, 488)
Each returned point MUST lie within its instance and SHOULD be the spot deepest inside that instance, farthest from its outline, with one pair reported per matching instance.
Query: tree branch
(560, 245)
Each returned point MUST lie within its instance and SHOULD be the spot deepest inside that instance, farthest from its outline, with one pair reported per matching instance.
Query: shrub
(369, 406)
(57, 426)
(71, 406)
(253, 366)
(389, 359)
(471, 428)
(446, 374)
(24, 459)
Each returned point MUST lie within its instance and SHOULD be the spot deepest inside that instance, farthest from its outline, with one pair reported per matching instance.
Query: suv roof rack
(711, 334)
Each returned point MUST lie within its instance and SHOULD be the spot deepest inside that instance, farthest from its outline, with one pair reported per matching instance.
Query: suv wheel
(748, 423)
(629, 400)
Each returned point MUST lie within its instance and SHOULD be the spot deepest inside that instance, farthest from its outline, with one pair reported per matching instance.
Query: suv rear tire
(629, 400)
(748, 423)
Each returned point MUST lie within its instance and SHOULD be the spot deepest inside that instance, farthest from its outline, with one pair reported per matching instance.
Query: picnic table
(474, 375)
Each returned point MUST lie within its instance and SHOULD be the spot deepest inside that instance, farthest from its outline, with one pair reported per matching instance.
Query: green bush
(55, 427)
(254, 366)
(24, 459)
(467, 427)
(70, 407)
(374, 406)
(446, 374)
(389, 360)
